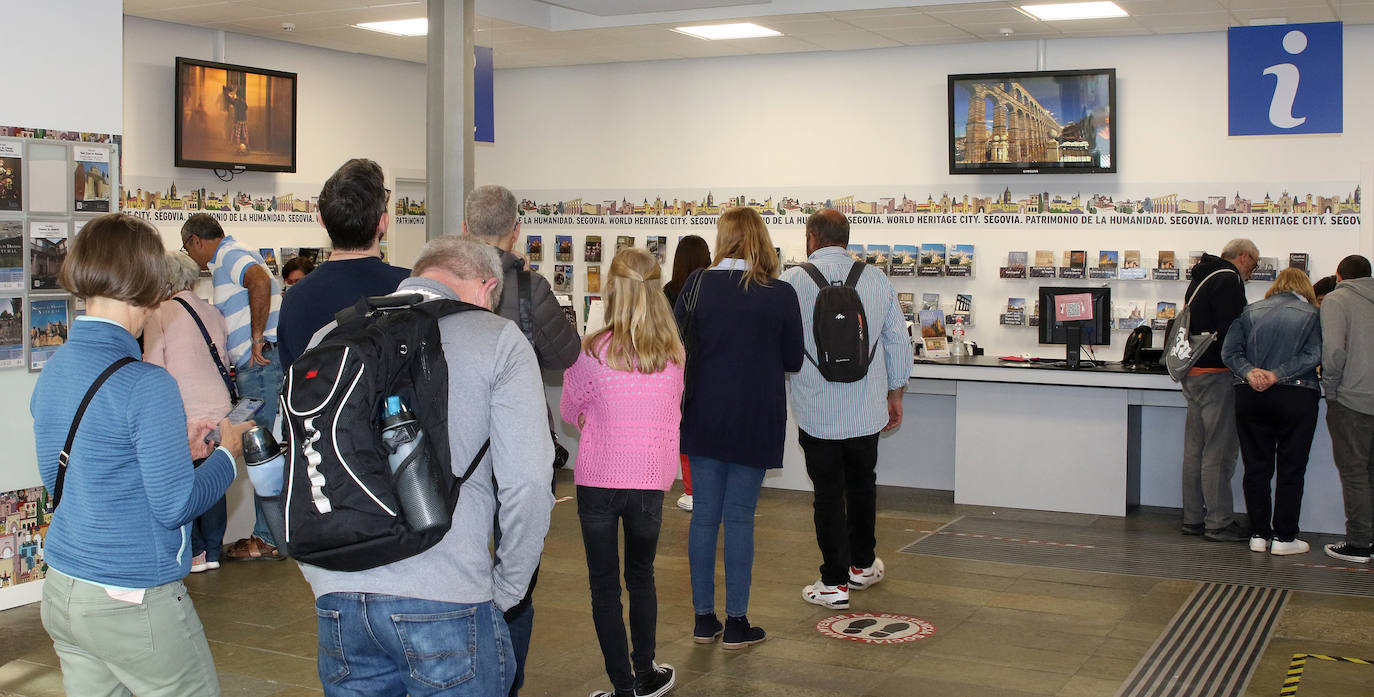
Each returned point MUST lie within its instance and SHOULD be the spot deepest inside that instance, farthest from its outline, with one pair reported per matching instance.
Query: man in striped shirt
(839, 422)
(249, 298)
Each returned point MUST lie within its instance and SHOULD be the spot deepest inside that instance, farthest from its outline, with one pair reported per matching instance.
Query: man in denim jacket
(1348, 379)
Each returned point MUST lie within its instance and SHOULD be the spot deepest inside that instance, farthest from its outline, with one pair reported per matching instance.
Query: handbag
(1182, 349)
(691, 343)
(65, 456)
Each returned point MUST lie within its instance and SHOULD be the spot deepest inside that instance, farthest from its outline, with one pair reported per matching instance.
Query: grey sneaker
(1231, 533)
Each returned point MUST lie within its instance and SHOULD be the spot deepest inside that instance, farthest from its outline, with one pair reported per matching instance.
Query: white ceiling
(537, 33)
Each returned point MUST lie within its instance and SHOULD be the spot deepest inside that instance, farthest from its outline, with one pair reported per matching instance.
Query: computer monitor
(1095, 332)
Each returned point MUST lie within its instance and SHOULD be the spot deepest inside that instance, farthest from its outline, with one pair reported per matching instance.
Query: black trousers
(844, 476)
(1275, 428)
(602, 513)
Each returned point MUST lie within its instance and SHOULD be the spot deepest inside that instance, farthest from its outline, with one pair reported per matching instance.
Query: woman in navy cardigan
(118, 545)
(748, 331)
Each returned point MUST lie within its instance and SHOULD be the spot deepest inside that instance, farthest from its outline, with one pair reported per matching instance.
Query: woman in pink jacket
(624, 393)
(173, 338)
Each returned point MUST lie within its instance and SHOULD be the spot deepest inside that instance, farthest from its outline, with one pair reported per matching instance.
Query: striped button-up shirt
(231, 262)
(838, 410)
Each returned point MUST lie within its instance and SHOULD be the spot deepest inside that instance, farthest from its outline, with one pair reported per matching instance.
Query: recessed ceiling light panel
(1074, 10)
(717, 32)
(399, 27)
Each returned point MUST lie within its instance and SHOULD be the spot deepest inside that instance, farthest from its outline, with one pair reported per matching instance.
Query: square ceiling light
(1074, 10)
(717, 32)
(399, 27)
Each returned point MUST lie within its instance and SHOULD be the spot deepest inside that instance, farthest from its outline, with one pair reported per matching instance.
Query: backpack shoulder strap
(523, 284)
(214, 351)
(855, 271)
(64, 456)
(815, 274)
(481, 453)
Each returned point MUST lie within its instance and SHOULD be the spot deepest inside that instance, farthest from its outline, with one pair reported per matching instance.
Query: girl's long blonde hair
(741, 234)
(1294, 280)
(640, 333)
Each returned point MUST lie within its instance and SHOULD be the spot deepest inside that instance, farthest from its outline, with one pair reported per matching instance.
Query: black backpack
(840, 327)
(342, 511)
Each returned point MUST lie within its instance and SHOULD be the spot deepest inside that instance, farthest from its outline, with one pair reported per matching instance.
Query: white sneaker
(836, 597)
(211, 565)
(1295, 547)
(198, 563)
(1259, 544)
(863, 579)
(685, 502)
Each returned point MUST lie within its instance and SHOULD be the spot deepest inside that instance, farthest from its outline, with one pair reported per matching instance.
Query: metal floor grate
(1152, 553)
(1213, 645)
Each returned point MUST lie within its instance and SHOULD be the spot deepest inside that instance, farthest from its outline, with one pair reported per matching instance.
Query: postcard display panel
(51, 184)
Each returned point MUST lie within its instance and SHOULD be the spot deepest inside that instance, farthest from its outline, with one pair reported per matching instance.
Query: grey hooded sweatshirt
(1347, 315)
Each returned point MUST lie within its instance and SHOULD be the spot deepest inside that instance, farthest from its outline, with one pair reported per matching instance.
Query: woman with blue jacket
(1273, 349)
(118, 544)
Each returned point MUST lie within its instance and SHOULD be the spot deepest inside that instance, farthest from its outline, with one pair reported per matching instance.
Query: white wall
(349, 105)
(50, 86)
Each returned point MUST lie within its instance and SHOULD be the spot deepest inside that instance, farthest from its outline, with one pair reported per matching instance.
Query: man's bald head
(827, 228)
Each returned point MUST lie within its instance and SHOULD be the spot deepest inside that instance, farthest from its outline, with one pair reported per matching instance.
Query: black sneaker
(738, 633)
(1231, 533)
(1194, 529)
(656, 683)
(708, 629)
(1348, 552)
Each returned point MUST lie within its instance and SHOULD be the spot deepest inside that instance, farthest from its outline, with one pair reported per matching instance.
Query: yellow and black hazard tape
(1295, 668)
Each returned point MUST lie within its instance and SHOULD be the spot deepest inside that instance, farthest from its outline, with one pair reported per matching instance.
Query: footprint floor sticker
(875, 627)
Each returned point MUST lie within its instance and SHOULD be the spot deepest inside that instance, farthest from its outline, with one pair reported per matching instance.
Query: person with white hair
(189, 337)
(432, 623)
(1216, 296)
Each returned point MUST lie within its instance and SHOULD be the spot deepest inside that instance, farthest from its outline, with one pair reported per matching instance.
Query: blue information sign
(1285, 79)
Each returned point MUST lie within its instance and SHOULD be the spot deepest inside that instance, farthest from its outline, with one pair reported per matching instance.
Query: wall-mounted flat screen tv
(234, 117)
(1040, 122)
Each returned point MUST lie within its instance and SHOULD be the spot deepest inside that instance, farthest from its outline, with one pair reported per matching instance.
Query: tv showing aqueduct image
(1037, 122)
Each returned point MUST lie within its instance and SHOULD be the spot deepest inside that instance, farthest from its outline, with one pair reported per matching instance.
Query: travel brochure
(47, 251)
(11, 175)
(1014, 314)
(91, 180)
(534, 248)
(562, 278)
(11, 255)
(933, 334)
(12, 332)
(565, 247)
(47, 329)
(591, 248)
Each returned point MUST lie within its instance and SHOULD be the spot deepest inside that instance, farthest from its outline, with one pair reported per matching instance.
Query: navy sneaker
(739, 634)
(708, 629)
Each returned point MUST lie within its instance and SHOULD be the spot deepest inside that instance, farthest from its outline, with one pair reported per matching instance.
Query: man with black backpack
(848, 391)
(490, 216)
(430, 622)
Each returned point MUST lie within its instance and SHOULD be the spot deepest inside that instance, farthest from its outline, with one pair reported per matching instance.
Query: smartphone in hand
(243, 411)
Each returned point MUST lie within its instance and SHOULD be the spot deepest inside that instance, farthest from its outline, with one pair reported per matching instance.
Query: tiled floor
(1002, 630)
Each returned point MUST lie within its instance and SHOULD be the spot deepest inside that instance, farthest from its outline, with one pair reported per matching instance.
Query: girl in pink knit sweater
(624, 393)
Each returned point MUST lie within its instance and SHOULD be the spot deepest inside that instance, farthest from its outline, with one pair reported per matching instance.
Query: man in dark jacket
(1348, 380)
(490, 215)
(1210, 444)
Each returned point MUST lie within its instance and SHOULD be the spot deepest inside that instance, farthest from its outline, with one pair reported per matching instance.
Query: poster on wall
(11, 332)
(27, 513)
(47, 250)
(91, 180)
(11, 176)
(47, 330)
(11, 255)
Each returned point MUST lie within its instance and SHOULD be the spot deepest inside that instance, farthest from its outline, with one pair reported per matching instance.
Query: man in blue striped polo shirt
(249, 298)
(839, 422)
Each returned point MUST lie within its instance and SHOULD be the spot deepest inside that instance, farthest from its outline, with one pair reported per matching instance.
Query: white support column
(449, 127)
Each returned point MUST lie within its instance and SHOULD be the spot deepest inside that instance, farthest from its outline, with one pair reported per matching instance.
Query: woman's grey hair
(1237, 247)
(466, 258)
(490, 212)
(182, 273)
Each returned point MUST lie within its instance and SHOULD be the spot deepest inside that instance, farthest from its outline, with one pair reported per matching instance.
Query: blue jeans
(388, 646)
(722, 491)
(262, 382)
(602, 512)
(521, 628)
(207, 531)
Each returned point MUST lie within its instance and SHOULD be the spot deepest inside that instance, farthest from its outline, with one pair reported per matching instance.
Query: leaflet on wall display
(1266, 269)
(48, 319)
(592, 248)
(11, 175)
(562, 278)
(91, 180)
(534, 248)
(908, 303)
(11, 255)
(857, 252)
(959, 262)
(1298, 260)
(1014, 314)
(594, 279)
(47, 251)
(27, 513)
(12, 332)
(904, 259)
(657, 245)
(879, 255)
(622, 242)
(932, 260)
(564, 248)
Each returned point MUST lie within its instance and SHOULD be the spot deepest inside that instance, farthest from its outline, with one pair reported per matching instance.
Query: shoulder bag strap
(523, 282)
(214, 352)
(696, 293)
(64, 456)
(1189, 300)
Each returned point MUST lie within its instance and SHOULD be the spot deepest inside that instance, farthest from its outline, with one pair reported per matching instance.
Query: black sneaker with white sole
(655, 683)
(1348, 552)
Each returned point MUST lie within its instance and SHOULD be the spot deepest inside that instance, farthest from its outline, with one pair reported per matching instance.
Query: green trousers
(112, 648)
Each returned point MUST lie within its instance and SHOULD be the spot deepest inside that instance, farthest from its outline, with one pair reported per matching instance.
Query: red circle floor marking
(875, 627)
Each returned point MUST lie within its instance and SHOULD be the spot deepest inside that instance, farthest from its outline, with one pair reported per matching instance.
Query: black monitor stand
(1073, 344)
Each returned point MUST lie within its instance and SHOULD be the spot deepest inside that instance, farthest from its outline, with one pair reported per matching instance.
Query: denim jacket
(1282, 334)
